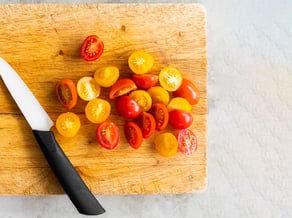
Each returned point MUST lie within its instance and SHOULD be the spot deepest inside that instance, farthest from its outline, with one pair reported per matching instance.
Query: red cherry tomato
(189, 91)
(133, 134)
(180, 119)
(108, 135)
(128, 107)
(187, 141)
(145, 81)
(91, 48)
(122, 87)
(161, 116)
(66, 93)
(147, 123)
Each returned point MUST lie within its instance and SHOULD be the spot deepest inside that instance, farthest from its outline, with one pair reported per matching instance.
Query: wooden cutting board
(42, 43)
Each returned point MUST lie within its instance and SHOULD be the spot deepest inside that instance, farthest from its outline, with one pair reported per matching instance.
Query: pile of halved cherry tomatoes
(147, 101)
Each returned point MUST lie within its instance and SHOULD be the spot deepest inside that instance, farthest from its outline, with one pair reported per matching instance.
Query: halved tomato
(180, 104)
(97, 110)
(66, 93)
(107, 76)
(180, 119)
(140, 62)
(143, 99)
(170, 78)
(166, 144)
(133, 134)
(187, 141)
(91, 48)
(128, 107)
(108, 135)
(159, 95)
(189, 91)
(160, 114)
(87, 88)
(122, 87)
(145, 81)
(68, 124)
(147, 124)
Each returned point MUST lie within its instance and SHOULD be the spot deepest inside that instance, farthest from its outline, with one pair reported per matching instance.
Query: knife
(40, 122)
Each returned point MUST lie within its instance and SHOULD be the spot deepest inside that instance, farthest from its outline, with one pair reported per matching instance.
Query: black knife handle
(72, 183)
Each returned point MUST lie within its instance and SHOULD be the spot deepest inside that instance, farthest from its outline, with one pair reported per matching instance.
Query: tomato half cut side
(108, 135)
(147, 124)
(160, 114)
(68, 124)
(170, 78)
(140, 62)
(122, 87)
(87, 88)
(133, 134)
(97, 110)
(187, 141)
(145, 81)
(91, 48)
(180, 119)
(66, 93)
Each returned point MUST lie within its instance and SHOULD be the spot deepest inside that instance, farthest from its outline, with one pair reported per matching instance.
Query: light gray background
(250, 124)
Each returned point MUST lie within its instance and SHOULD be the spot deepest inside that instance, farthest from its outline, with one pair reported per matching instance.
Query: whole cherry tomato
(91, 48)
(66, 93)
(166, 144)
(187, 141)
(122, 87)
(189, 91)
(108, 135)
(179, 103)
(161, 116)
(133, 134)
(159, 95)
(180, 119)
(128, 107)
(147, 124)
(145, 81)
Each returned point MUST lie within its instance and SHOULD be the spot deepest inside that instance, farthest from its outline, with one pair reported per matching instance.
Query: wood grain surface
(42, 44)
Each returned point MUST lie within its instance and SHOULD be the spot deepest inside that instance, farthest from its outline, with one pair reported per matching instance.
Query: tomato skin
(147, 124)
(91, 48)
(133, 134)
(66, 93)
(180, 119)
(108, 135)
(122, 87)
(159, 95)
(145, 81)
(160, 114)
(189, 91)
(187, 141)
(166, 144)
(180, 104)
(128, 107)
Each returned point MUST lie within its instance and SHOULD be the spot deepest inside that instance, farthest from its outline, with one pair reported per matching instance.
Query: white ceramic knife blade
(33, 112)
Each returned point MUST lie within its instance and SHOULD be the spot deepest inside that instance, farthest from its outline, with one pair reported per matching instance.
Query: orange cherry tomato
(160, 114)
(97, 110)
(140, 62)
(108, 135)
(147, 124)
(189, 91)
(143, 99)
(66, 93)
(166, 144)
(145, 81)
(187, 141)
(180, 119)
(159, 95)
(91, 48)
(180, 104)
(106, 76)
(68, 124)
(122, 87)
(133, 134)
(170, 78)
(87, 88)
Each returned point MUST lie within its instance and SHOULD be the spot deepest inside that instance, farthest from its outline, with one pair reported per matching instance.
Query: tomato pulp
(91, 48)
(108, 135)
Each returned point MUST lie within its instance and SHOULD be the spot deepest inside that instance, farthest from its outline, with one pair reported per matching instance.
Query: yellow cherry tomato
(140, 62)
(97, 110)
(68, 124)
(170, 78)
(180, 104)
(166, 144)
(106, 76)
(159, 95)
(87, 88)
(142, 98)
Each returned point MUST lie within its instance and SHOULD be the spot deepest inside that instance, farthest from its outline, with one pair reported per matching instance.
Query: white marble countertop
(250, 124)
